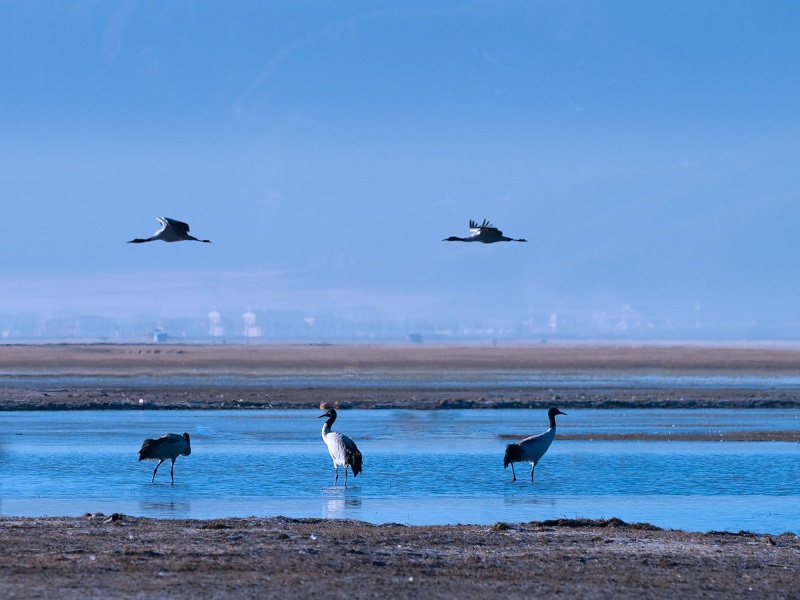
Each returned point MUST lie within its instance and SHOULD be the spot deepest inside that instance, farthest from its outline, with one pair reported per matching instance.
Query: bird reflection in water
(336, 508)
(167, 508)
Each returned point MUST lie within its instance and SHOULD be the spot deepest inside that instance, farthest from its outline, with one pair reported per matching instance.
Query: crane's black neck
(331, 414)
(552, 414)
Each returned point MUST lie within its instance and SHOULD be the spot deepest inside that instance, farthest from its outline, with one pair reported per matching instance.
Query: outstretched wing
(485, 228)
(179, 227)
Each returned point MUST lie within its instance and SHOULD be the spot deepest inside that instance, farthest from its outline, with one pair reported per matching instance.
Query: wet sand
(121, 556)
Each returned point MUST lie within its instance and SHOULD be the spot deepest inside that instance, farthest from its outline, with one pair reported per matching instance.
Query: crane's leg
(532, 468)
(336, 481)
(171, 467)
(156, 469)
(345, 476)
(514, 475)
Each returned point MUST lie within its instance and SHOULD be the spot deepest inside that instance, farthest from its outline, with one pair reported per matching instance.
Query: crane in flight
(484, 232)
(171, 231)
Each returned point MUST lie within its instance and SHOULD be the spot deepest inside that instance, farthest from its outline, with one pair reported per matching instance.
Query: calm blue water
(420, 467)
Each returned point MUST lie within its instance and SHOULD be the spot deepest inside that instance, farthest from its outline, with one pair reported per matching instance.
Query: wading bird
(171, 231)
(484, 232)
(532, 448)
(343, 450)
(169, 446)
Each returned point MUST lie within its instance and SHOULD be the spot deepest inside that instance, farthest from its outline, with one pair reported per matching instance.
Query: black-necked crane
(343, 450)
(169, 446)
(171, 231)
(532, 448)
(484, 232)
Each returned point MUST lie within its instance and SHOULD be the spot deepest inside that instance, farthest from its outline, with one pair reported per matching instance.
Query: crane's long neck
(326, 427)
(553, 423)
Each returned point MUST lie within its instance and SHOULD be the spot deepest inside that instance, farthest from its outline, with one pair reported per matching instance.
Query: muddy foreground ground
(119, 556)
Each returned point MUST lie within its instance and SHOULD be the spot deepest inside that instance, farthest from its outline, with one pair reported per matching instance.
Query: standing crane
(485, 233)
(171, 231)
(169, 446)
(343, 450)
(532, 448)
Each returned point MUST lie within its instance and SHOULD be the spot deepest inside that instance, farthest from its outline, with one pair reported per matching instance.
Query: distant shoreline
(197, 366)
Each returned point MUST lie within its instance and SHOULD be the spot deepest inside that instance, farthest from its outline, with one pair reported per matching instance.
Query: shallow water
(414, 378)
(420, 467)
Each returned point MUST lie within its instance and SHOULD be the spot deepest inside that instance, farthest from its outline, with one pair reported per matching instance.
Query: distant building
(159, 336)
(250, 329)
(215, 328)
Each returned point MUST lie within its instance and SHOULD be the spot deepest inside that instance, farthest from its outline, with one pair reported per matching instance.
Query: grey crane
(171, 231)
(532, 448)
(484, 232)
(169, 446)
(342, 449)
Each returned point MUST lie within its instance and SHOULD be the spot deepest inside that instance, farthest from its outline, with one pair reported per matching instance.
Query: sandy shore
(121, 556)
(40, 364)
(125, 557)
(262, 359)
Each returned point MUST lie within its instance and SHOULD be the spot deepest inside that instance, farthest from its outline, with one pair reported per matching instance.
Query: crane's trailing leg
(532, 468)
(514, 475)
(156, 470)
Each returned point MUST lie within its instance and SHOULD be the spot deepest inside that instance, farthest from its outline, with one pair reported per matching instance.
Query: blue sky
(647, 151)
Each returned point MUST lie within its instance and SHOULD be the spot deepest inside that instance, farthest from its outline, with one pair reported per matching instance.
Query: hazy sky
(647, 150)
